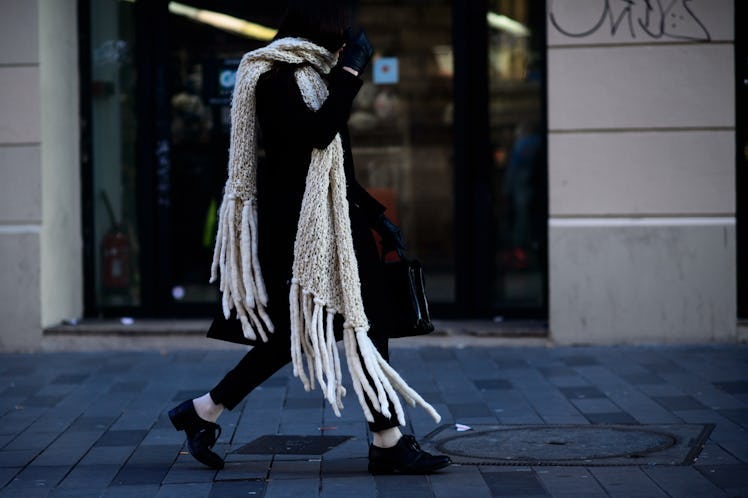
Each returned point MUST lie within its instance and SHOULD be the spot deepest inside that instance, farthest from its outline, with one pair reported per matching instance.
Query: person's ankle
(206, 409)
(387, 438)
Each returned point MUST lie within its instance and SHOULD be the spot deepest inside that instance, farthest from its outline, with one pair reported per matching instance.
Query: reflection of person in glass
(519, 186)
(298, 265)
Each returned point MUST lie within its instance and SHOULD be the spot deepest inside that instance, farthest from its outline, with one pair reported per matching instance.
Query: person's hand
(357, 52)
(392, 237)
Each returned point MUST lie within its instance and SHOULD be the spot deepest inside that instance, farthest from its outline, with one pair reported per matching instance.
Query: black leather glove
(357, 52)
(392, 237)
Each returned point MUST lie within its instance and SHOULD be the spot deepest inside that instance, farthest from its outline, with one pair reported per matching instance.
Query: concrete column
(642, 171)
(20, 175)
(61, 235)
(40, 232)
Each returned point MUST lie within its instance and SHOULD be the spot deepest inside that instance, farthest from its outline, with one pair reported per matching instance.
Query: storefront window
(113, 129)
(202, 60)
(517, 141)
(401, 129)
(400, 125)
(163, 162)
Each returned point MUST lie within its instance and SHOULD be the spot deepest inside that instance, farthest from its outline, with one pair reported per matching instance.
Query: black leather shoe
(406, 457)
(201, 434)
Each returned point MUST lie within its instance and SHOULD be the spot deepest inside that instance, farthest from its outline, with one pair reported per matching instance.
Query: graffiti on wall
(656, 19)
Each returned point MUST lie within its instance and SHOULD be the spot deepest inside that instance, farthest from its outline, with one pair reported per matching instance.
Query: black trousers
(266, 358)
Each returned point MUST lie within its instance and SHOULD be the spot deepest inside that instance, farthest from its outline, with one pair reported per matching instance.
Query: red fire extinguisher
(115, 254)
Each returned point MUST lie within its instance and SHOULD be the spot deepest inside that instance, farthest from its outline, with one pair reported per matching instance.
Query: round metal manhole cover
(559, 444)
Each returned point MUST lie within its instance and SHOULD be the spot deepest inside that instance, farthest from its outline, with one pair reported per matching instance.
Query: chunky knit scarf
(325, 272)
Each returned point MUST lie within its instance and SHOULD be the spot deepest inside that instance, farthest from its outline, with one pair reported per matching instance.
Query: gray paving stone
(401, 486)
(469, 410)
(79, 492)
(643, 379)
(678, 403)
(683, 481)
(191, 490)
(569, 482)
(731, 478)
(738, 448)
(69, 379)
(121, 438)
(734, 387)
(138, 490)
(513, 482)
(303, 403)
(295, 469)
(147, 465)
(580, 360)
(90, 476)
(492, 384)
(739, 416)
(582, 392)
(627, 482)
(359, 486)
(38, 477)
(663, 367)
(610, 418)
(459, 482)
(17, 458)
(7, 473)
(292, 488)
(31, 439)
(27, 493)
(102, 455)
(595, 405)
(714, 454)
(557, 371)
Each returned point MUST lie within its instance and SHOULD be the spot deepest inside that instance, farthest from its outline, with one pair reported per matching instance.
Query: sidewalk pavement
(80, 424)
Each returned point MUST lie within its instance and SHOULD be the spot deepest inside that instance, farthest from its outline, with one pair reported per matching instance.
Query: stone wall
(641, 171)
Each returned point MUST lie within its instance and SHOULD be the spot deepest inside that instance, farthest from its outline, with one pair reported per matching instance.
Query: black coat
(289, 131)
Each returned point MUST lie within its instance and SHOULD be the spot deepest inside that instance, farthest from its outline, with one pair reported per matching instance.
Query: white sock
(387, 438)
(206, 409)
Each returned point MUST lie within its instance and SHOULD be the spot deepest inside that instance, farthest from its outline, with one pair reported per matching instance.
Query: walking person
(297, 263)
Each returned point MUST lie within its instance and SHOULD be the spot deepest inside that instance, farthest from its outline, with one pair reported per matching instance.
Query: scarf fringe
(313, 339)
(237, 262)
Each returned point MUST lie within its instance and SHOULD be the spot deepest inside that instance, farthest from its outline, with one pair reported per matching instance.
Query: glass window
(113, 129)
(517, 141)
(401, 129)
(204, 52)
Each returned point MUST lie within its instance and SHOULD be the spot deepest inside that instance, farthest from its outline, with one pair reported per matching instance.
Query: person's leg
(197, 417)
(391, 452)
(262, 361)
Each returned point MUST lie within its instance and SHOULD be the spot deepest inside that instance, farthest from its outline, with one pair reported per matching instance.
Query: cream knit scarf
(325, 272)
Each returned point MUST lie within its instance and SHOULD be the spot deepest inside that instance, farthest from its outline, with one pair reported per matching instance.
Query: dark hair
(323, 22)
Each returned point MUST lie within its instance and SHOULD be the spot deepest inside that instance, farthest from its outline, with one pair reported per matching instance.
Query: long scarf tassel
(408, 392)
(313, 332)
(367, 351)
(308, 307)
(241, 282)
(336, 391)
(219, 241)
(357, 373)
(297, 327)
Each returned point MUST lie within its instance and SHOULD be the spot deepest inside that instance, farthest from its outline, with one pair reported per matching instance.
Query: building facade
(577, 162)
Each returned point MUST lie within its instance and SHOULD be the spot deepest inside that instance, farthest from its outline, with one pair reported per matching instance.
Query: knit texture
(325, 271)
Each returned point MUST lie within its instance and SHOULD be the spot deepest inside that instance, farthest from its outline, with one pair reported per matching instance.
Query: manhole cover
(291, 445)
(585, 445)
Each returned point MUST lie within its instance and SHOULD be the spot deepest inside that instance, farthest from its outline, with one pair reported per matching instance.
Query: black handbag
(406, 288)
